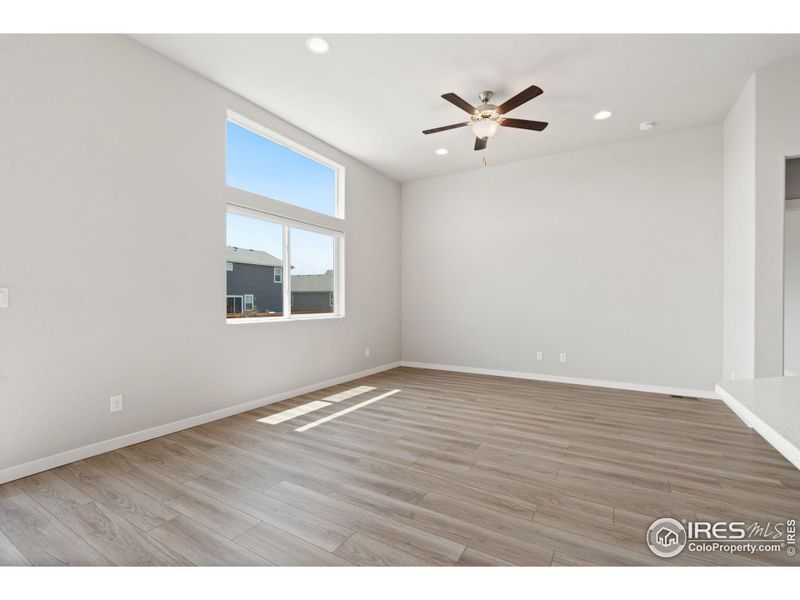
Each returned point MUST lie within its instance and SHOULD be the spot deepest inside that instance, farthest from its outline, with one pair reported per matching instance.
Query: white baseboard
(63, 458)
(619, 385)
(775, 439)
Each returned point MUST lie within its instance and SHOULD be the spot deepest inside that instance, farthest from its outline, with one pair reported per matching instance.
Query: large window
(267, 238)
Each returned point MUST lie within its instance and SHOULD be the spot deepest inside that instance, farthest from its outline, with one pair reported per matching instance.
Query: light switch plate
(3, 297)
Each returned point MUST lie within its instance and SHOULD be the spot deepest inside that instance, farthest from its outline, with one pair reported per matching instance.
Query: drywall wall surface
(739, 185)
(612, 255)
(778, 137)
(112, 220)
(791, 301)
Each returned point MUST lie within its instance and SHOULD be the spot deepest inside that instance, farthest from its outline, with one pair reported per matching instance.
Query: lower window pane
(254, 252)
(312, 257)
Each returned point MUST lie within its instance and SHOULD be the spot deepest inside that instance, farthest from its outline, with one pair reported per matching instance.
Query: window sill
(247, 321)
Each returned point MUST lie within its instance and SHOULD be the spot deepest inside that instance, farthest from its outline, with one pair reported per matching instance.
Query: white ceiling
(372, 95)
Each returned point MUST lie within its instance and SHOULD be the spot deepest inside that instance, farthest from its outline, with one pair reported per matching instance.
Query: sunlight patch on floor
(345, 411)
(291, 413)
(347, 394)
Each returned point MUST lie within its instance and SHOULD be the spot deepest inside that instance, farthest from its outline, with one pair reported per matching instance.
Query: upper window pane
(260, 166)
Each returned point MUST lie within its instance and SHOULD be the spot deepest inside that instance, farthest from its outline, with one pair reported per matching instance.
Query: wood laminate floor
(454, 469)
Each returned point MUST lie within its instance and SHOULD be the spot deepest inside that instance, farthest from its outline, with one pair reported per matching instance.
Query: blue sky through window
(260, 166)
(255, 234)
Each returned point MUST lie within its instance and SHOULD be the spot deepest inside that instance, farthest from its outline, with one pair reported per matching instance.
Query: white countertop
(774, 400)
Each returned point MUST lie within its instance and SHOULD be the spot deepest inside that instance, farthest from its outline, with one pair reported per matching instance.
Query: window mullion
(286, 276)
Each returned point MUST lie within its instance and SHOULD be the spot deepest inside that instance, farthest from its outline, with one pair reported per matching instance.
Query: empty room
(360, 299)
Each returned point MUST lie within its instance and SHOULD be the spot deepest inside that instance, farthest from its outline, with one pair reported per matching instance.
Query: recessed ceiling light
(441, 151)
(317, 45)
(602, 115)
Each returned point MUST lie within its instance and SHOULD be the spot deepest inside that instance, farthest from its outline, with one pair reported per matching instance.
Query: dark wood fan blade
(460, 103)
(523, 124)
(480, 143)
(445, 128)
(521, 98)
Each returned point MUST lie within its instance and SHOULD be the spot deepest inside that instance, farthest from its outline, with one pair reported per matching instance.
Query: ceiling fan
(486, 118)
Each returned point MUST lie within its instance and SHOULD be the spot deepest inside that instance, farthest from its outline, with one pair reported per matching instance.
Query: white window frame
(277, 275)
(291, 216)
(229, 266)
(252, 302)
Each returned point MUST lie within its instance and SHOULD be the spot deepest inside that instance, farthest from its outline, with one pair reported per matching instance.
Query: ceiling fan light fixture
(485, 127)
(485, 119)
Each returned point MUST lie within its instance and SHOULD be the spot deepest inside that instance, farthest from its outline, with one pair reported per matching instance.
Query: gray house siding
(259, 281)
(312, 301)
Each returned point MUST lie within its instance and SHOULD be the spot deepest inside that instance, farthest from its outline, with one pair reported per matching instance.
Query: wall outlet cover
(116, 403)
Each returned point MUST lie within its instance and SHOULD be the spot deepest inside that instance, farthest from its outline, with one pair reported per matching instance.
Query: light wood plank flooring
(453, 470)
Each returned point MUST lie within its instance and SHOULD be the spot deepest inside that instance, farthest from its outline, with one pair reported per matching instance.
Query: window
(235, 305)
(267, 236)
(229, 266)
(312, 271)
(270, 167)
(255, 248)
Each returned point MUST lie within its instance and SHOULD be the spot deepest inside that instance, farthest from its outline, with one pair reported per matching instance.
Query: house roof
(251, 257)
(313, 283)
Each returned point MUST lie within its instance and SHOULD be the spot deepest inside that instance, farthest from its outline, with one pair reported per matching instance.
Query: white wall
(778, 128)
(791, 266)
(611, 254)
(791, 303)
(739, 151)
(112, 242)
(761, 131)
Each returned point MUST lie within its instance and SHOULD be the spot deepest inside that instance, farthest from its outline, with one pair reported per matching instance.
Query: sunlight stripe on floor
(291, 413)
(345, 411)
(345, 395)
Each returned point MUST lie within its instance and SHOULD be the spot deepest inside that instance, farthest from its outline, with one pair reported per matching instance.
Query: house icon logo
(666, 537)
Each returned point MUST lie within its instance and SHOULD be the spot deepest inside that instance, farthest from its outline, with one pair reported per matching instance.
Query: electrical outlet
(539, 355)
(366, 352)
(116, 403)
(563, 357)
